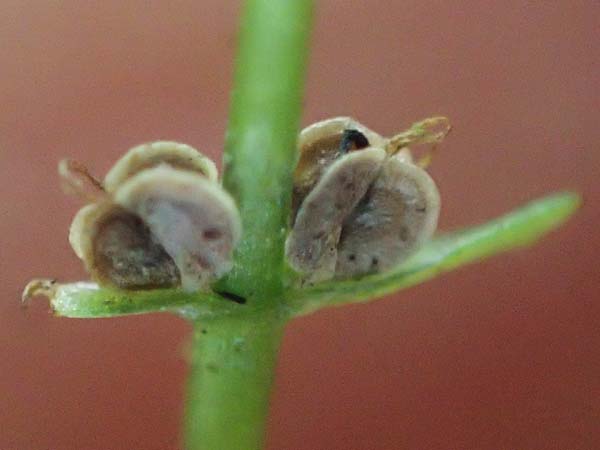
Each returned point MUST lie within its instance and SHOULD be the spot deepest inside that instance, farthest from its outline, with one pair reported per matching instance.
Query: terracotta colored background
(503, 355)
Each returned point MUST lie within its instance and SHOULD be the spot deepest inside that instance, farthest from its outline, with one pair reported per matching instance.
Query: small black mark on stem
(211, 234)
(233, 297)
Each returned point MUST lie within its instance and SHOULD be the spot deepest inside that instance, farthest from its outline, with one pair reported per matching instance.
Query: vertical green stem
(260, 148)
(233, 358)
(231, 377)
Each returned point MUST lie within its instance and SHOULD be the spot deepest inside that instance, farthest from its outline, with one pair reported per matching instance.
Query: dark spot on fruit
(211, 234)
(352, 139)
(404, 235)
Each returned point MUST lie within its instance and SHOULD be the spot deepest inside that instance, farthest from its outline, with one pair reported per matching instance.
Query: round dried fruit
(193, 219)
(360, 204)
(398, 213)
(311, 245)
(159, 219)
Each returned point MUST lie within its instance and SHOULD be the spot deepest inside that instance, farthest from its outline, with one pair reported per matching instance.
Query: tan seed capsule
(311, 246)
(343, 233)
(398, 213)
(176, 155)
(193, 219)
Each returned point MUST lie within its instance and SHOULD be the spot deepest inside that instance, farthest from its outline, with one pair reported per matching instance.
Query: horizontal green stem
(516, 229)
(87, 300)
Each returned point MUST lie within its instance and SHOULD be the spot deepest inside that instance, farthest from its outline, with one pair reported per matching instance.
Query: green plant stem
(260, 148)
(233, 359)
(230, 381)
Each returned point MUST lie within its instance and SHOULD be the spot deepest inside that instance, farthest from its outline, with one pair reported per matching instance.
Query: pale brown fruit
(390, 211)
(160, 219)
(398, 213)
(192, 218)
(311, 245)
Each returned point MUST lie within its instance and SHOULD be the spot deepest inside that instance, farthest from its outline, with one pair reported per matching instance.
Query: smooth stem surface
(230, 382)
(260, 149)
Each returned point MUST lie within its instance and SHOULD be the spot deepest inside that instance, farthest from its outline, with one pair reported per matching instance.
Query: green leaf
(517, 229)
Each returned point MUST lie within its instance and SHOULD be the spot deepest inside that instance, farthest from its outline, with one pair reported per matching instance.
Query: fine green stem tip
(520, 228)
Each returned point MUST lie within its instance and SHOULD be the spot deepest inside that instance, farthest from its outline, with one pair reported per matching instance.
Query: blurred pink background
(502, 355)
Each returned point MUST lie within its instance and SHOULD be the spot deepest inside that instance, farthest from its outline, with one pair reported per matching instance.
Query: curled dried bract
(78, 181)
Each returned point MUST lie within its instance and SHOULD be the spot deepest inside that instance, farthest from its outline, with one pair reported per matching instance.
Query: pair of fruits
(160, 217)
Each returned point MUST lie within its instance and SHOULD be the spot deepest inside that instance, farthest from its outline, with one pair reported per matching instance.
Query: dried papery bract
(118, 249)
(146, 156)
(398, 213)
(431, 131)
(311, 246)
(193, 219)
(38, 286)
